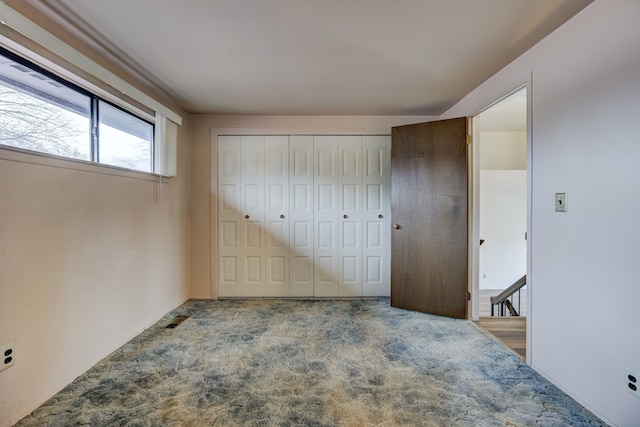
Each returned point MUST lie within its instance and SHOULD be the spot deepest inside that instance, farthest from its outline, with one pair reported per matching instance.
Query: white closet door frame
(370, 278)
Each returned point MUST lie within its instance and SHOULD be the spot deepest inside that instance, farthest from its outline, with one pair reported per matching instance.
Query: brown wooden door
(429, 212)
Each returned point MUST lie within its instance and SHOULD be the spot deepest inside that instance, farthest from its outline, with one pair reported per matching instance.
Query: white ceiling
(313, 57)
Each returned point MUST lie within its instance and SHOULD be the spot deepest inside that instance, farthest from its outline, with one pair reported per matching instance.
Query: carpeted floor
(310, 363)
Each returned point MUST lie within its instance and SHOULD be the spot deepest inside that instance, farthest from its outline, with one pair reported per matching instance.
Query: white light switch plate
(561, 202)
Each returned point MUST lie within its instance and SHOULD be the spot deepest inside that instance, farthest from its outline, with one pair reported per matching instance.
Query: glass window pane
(41, 114)
(124, 140)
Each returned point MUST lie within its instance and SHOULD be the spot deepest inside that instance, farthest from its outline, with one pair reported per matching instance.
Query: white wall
(585, 91)
(503, 150)
(87, 261)
(89, 257)
(503, 207)
(503, 223)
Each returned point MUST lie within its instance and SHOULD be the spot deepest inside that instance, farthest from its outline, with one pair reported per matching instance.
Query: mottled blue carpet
(310, 363)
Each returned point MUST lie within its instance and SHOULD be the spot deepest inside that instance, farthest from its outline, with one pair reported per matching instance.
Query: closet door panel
(229, 275)
(278, 276)
(276, 211)
(301, 214)
(230, 227)
(301, 276)
(376, 215)
(350, 216)
(325, 216)
(253, 263)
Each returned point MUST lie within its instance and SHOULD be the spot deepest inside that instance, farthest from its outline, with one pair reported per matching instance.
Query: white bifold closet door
(301, 213)
(276, 210)
(241, 216)
(376, 215)
(304, 216)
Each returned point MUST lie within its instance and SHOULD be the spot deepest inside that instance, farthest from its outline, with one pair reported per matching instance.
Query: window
(43, 113)
(123, 139)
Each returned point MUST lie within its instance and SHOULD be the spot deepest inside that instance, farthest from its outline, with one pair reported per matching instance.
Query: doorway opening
(499, 255)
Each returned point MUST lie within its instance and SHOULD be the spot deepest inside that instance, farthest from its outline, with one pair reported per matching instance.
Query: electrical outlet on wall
(633, 383)
(7, 356)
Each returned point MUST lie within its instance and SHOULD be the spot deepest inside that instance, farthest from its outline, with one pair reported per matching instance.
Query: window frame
(94, 120)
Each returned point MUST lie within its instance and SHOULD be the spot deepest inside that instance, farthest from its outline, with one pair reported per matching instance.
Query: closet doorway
(303, 215)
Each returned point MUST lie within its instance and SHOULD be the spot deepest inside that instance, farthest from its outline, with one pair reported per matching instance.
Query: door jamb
(474, 211)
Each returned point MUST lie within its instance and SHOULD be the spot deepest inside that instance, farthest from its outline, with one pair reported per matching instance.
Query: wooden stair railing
(503, 300)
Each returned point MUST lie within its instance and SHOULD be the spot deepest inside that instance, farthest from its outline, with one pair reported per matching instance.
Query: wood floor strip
(511, 331)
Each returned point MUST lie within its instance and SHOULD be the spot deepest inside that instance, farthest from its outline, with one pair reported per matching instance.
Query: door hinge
(469, 139)
(468, 296)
